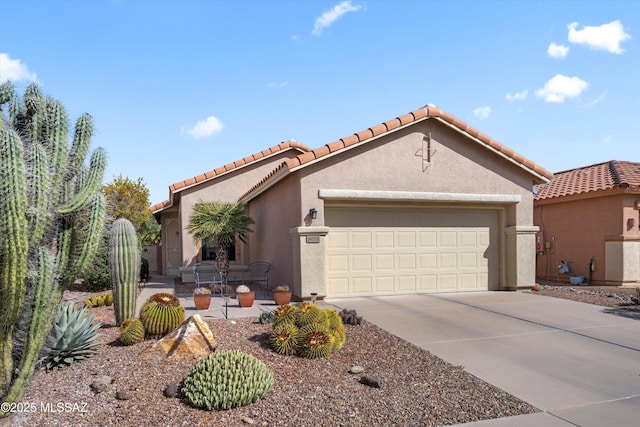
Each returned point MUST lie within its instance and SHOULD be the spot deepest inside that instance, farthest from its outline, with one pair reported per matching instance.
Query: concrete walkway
(217, 310)
(578, 363)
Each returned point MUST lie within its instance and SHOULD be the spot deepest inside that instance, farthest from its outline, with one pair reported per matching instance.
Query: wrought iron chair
(206, 274)
(258, 272)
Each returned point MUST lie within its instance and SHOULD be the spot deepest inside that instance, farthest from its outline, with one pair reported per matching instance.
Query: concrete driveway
(578, 363)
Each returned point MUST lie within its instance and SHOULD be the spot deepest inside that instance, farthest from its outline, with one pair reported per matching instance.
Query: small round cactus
(284, 338)
(225, 380)
(315, 341)
(161, 314)
(131, 332)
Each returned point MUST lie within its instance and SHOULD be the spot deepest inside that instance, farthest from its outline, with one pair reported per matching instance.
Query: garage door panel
(427, 282)
(338, 263)
(406, 239)
(406, 262)
(428, 261)
(361, 240)
(428, 239)
(469, 260)
(362, 285)
(406, 284)
(339, 240)
(384, 239)
(384, 262)
(448, 260)
(388, 251)
(447, 239)
(362, 263)
(338, 286)
(384, 284)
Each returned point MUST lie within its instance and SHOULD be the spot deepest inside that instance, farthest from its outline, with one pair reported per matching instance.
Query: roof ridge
(176, 186)
(618, 174)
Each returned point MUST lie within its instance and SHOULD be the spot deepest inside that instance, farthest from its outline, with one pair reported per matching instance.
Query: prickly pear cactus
(124, 261)
(51, 215)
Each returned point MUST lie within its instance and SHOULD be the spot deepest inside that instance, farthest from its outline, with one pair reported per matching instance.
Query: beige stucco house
(421, 203)
(589, 217)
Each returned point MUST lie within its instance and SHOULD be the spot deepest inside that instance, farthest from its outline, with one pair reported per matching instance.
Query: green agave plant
(73, 337)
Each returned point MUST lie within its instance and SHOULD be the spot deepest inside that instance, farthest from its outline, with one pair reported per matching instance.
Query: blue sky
(178, 88)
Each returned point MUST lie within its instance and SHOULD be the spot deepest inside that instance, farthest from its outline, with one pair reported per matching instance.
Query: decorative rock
(123, 395)
(248, 420)
(193, 340)
(171, 390)
(536, 287)
(356, 369)
(101, 384)
(370, 381)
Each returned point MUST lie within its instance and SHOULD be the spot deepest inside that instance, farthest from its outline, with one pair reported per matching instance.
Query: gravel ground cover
(417, 388)
(613, 297)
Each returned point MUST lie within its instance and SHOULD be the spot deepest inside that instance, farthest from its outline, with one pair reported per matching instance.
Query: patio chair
(258, 272)
(206, 274)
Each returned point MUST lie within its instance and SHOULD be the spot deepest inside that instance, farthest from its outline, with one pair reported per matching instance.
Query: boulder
(191, 341)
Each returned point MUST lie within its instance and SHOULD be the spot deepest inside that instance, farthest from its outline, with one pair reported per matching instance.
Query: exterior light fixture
(313, 213)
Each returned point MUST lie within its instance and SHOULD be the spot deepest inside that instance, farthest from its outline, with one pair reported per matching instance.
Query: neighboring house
(590, 217)
(225, 183)
(421, 203)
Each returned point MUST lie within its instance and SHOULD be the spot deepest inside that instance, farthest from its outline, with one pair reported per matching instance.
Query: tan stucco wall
(578, 229)
(396, 163)
(226, 188)
(275, 212)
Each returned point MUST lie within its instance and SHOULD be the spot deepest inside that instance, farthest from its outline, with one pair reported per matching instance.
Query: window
(209, 252)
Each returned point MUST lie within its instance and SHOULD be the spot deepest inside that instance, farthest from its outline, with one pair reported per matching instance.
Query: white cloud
(14, 70)
(482, 113)
(277, 84)
(557, 50)
(605, 37)
(607, 140)
(597, 100)
(560, 87)
(204, 128)
(518, 96)
(330, 16)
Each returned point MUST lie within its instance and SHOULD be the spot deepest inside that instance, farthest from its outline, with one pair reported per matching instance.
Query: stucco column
(520, 256)
(309, 267)
(622, 258)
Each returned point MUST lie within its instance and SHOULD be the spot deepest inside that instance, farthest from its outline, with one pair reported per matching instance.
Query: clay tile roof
(429, 111)
(227, 168)
(602, 176)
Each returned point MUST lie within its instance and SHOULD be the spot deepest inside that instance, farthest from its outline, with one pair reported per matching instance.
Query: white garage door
(386, 251)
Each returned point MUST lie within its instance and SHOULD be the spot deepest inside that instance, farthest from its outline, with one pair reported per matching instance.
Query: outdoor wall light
(313, 213)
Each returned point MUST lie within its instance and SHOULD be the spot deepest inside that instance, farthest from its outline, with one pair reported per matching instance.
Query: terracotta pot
(202, 301)
(246, 299)
(282, 297)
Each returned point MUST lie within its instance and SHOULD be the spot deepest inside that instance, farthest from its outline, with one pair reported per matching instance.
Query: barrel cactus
(124, 262)
(225, 380)
(307, 330)
(72, 338)
(51, 216)
(131, 332)
(161, 314)
(284, 338)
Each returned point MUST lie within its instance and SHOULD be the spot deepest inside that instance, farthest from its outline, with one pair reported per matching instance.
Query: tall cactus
(124, 263)
(51, 215)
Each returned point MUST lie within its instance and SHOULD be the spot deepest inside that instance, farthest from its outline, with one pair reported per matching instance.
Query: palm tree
(219, 223)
